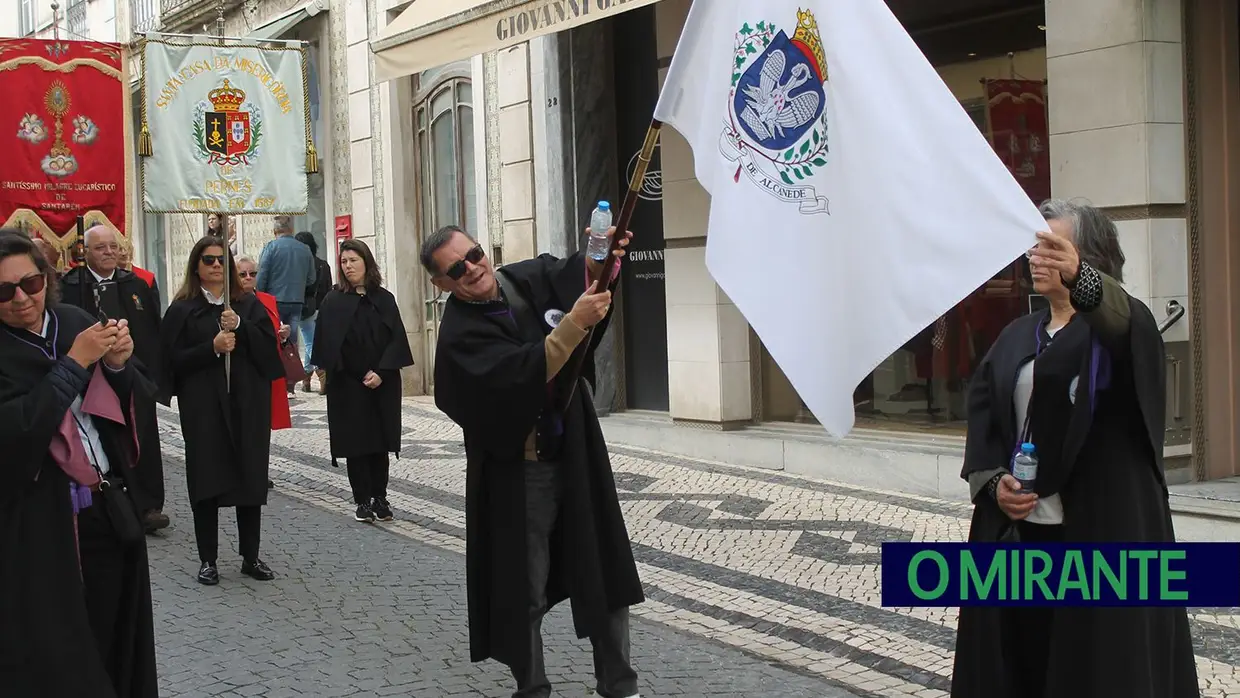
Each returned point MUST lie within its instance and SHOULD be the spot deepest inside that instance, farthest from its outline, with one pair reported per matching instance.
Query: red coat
(281, 418)
(149, 278)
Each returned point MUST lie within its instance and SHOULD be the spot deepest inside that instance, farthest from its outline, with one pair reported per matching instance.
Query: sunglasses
(212, 259)
(457, 270)
(29, 286)
(247, 274)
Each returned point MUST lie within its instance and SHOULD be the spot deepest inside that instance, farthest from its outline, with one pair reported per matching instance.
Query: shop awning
(274, 29)
(431, 33)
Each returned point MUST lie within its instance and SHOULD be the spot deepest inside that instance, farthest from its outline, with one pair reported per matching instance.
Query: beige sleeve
(560, 345)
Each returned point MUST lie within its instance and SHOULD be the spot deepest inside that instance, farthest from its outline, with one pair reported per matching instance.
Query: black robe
(354, 334)
(490, 379)
(227, 434)
(51, 606)
(138, 303)
(1102, 452)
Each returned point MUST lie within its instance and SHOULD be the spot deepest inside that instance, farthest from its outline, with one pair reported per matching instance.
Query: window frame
(26, 19)
(424, 98)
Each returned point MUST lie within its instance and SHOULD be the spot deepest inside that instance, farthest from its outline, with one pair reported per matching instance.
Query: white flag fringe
(853, 201)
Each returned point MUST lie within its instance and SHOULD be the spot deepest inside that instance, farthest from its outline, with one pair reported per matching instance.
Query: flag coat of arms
(853, 201)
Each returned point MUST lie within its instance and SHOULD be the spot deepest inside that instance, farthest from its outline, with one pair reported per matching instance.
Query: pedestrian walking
(360, 342)
(75, 593)
(103, 288)
(315, 295)
(286, 269)
(1084, 383)
(225, 417)
(543, 520)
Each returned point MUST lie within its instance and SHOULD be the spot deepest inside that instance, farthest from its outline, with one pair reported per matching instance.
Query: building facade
(1127, 104)
(93, 20)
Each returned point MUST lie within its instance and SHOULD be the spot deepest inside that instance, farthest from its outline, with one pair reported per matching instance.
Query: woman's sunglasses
(212, 259)
(474, 256)
(29, 286)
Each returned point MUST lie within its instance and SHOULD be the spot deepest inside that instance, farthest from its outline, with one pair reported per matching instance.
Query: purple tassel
(80, 496)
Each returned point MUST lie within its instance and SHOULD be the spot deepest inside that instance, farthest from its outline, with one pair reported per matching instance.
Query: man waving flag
(853, 200)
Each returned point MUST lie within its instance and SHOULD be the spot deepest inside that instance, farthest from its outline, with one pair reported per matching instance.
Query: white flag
(853, 201)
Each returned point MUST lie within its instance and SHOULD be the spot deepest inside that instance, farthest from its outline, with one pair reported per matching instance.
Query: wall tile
(686, 209)
(519, 242)
(733, 334)
(359, 115)
(364, 213)
(514, 129)
(355, 21)
(1163, 20)
(736, 391)
(514, 78)
(1164, 68)
(694, 390)
(1166, 164)
(1168, 257)
(1134, 240)
(361, 157)
(669, 20)
(693, 333)
(1106, 166)
(518, 183)
(1073, 26)
(688, 282)
(675, 156)
(358, 57)
(1097, 89)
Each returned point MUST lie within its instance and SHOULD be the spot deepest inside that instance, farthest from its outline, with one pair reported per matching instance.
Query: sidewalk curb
(1205, 508)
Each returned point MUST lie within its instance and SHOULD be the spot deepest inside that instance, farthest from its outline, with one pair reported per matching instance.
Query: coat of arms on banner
(227, 129)
(776, 130)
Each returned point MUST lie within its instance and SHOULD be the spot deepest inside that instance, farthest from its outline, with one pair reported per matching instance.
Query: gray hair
(245, 258)
(435, 242)
(1093, 232)
(283, 225)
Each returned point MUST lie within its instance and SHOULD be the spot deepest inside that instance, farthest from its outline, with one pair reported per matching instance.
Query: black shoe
(364, 514)
(257, 569)
(208, 574)
(154, 520)
(382, 511)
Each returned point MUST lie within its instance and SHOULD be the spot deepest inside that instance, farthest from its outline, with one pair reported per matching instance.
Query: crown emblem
(226, 97)
(810, 41)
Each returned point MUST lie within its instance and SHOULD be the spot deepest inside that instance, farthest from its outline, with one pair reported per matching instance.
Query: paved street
(759, 583)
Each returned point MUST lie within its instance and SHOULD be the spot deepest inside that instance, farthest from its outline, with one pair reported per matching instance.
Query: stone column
(515, 152)
(1115, 72)
(707, 337)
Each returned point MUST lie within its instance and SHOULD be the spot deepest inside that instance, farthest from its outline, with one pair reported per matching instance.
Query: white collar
(211, 297)
(98, 278)
(47, 321)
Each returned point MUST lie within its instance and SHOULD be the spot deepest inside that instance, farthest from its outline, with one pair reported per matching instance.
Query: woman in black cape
(225, 419)
(1084, 382)
(75, 595)
(360, 342)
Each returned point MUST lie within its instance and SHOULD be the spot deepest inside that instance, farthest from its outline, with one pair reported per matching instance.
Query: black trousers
(1026, 631)
(207, 530)
(612, 669)
(118, 602)
(368, 476)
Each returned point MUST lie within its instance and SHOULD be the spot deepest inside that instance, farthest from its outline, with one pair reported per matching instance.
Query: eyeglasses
(212, 259)
(247, 274)
(29, 286)
(457, 270)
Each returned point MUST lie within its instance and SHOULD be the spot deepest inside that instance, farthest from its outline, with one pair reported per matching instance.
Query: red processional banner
(1019, 130)
(65, 133)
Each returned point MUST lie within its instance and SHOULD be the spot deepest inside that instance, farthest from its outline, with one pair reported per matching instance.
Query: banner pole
(223, 223)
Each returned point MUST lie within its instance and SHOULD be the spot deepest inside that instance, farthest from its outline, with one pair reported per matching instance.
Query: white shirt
(100, 279)
(91, 440)
(1049, 510)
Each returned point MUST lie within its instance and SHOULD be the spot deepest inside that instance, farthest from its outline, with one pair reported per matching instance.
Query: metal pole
(223, 231)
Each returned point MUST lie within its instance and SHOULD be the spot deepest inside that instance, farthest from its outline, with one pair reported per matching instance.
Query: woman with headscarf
(75, 596)
(360, 342)
(1083, 382)
(225, 415)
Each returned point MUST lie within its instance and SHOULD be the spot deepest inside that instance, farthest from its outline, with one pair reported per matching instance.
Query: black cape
(47, 643)
(1102, 452)
(227, 434)
(360, 420)
(491, 380)
(139, 303)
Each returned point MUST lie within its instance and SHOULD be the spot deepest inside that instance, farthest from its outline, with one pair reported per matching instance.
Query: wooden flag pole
(577, 361)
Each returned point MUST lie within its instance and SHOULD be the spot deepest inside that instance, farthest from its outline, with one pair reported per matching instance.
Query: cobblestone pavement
(783, 568)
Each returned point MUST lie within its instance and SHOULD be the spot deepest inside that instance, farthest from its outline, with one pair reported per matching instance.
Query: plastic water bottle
(600, 223)
(1025, 467)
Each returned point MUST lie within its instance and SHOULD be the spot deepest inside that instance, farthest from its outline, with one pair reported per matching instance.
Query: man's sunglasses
(474, 256)
(29, 286)
(212, 259)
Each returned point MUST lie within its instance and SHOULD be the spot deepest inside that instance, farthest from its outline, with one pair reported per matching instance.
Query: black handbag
(121, 511)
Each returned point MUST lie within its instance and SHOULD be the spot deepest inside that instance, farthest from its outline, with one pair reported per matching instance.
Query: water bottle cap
(1026, 448)
(604, 206)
